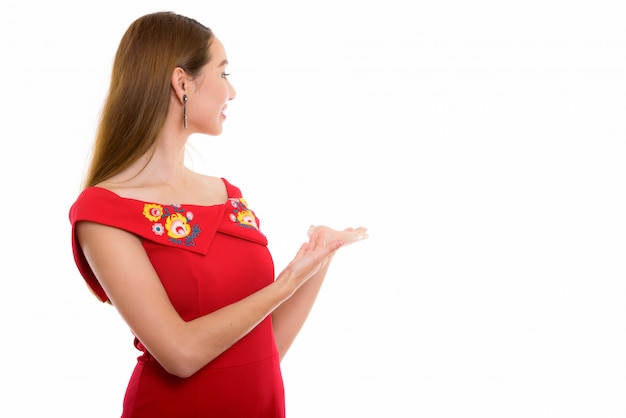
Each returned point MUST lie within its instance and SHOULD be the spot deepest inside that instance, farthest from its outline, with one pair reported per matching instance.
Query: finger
(336, 244)
(313, 238)
(319, 239)
(302, 250)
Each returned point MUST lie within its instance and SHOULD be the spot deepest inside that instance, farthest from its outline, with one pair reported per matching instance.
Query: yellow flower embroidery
(242, 215)
(152, 211)
(246, 217)
(177, 226)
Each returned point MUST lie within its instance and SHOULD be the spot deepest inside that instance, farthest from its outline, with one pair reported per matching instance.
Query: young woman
(180, 255)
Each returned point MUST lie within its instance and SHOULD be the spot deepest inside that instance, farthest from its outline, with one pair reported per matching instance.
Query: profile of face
(209, 93)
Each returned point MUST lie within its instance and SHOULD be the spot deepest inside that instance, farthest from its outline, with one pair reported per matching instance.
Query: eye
(225, 75)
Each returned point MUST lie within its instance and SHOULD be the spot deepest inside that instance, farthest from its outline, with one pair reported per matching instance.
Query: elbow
(179, 367)
(184, 362)
(183, 354)
(181, 364)
(182, 371)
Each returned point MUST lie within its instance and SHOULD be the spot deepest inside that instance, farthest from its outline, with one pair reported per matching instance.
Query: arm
(181, 347)
(290, 316)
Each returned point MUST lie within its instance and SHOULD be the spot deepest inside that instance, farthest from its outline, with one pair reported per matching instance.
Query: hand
(310, 258)
(347, 236)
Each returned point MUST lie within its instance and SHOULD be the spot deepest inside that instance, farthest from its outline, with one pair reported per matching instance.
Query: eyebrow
(225, 62)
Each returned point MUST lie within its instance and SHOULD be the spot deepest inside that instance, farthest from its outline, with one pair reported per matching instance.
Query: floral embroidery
(153, 212)
(158, 228)
(176, 224)
(242, 215)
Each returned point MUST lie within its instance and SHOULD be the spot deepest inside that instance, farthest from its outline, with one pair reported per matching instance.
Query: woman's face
(210, 94)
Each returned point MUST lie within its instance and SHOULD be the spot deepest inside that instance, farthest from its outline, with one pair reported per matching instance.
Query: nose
(232, 93)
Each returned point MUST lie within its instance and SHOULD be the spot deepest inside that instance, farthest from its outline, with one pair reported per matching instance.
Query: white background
(481, 142)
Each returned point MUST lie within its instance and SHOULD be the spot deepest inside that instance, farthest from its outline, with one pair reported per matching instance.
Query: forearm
(290, 316)
(203, 339)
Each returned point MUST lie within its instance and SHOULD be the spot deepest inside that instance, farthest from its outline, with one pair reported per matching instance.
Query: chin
(215, 131)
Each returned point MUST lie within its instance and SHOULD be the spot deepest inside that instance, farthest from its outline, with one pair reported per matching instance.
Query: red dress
(206, 257)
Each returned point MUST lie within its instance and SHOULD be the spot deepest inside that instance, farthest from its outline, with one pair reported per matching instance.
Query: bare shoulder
(194, 189)
(213, 183)
(209, 190)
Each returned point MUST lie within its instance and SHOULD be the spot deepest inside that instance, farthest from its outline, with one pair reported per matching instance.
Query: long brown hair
(137, 102)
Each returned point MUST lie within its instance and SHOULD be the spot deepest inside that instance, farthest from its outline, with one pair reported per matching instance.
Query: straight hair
(137, 102)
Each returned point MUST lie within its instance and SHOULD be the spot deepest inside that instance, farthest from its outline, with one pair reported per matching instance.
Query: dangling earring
(185, 111)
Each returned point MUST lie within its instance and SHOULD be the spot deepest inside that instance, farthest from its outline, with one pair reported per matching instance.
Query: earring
(185, 111)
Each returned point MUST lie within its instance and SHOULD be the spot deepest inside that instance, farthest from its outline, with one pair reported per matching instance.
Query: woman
(180, 255)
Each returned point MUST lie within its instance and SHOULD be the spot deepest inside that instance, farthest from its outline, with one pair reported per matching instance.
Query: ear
(179, 83)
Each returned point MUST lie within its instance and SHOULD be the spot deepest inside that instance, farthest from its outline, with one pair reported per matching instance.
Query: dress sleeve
(86, 208)
(189, 228)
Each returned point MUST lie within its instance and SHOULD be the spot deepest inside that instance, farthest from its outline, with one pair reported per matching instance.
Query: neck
(163, 164)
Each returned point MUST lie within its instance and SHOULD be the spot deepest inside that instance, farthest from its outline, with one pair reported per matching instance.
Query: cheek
(218, 97)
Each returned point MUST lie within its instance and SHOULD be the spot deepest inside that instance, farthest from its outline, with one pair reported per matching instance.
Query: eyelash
(225, 75)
